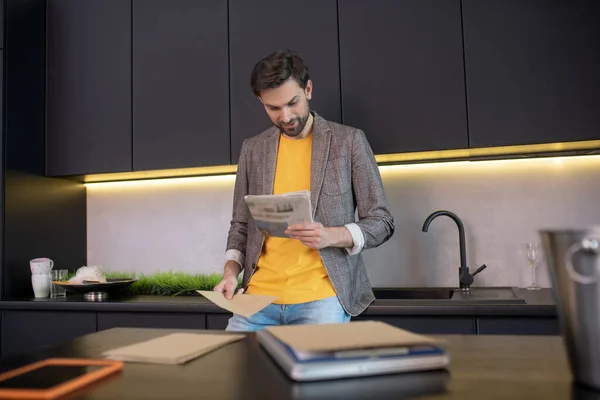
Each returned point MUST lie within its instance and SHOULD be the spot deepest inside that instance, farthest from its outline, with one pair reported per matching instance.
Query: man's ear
(308, 89)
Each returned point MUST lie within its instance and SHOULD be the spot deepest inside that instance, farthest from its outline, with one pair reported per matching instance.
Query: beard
(300, 123)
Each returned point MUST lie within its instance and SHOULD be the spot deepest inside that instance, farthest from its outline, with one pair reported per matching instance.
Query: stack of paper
(175, 348)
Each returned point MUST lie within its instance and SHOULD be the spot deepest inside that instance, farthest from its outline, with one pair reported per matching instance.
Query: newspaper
(273, 213)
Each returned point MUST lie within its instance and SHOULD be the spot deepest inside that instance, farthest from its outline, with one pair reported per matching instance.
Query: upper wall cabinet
(180, 84)
(402, 73)
(88, 115)
(532, 70)
(260, 27)
(1, 24)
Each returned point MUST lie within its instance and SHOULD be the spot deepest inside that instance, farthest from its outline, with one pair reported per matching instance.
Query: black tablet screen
(46, 376)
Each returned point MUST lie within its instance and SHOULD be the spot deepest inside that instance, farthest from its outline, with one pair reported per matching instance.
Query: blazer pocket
(337, 180)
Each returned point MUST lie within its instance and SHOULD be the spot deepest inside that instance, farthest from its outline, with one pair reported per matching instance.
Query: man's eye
(293, 103)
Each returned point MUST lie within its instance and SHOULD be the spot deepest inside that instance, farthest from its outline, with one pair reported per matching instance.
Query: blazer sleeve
(374, 217)
(238, 230)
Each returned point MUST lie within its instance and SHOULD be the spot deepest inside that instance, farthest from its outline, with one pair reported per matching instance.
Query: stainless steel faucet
(465, 279)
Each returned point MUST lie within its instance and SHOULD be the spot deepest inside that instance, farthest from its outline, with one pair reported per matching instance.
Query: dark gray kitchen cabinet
(107, 320)
(25, 331)
(532, 71)
(402, 76)
(217, 321)
(2, 127)
(427, 325)
(88, 114)
(180, 84)
(518, 326)
(260, 27)
(1, 24)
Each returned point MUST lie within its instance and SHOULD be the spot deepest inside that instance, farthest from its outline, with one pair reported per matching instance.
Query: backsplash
(182, 224)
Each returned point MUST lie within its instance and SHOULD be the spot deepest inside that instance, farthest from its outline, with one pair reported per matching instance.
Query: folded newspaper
(273, 213)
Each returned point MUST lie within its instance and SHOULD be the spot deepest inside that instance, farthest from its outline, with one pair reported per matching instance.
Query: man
(318, 273)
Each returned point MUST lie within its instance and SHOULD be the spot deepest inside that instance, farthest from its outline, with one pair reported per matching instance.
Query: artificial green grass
(167, 283)
(172, 283)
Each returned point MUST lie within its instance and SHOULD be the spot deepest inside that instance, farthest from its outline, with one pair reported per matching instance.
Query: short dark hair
(273, 70)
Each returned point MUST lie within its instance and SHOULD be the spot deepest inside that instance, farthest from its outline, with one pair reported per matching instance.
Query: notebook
(174, 348)
(361, 350)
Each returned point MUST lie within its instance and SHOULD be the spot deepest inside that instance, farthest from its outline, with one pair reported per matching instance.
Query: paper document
(243, 304)
(175, 348)
(273, 213)
(346, 336)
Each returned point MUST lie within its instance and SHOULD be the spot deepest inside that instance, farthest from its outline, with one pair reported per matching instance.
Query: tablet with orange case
(54, 377)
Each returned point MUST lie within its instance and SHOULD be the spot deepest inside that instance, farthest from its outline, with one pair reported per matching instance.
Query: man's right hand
(227, 287)
(229, 282)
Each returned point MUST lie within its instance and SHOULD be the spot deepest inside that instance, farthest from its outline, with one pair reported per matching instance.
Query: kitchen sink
(451, 296)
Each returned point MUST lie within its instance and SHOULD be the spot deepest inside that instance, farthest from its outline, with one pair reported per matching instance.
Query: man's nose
(285, 115)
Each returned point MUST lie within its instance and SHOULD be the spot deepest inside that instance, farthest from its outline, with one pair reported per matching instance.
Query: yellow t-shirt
(287, 268)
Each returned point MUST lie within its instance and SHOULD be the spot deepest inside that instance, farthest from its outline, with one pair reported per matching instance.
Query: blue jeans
(325, 311)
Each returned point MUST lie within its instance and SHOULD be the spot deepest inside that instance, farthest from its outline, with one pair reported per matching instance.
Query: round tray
(112, 285)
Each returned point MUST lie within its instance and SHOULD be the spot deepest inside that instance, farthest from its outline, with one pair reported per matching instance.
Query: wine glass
(533, 253)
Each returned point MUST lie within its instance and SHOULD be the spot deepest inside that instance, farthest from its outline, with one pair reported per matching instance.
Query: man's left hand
(316, 236)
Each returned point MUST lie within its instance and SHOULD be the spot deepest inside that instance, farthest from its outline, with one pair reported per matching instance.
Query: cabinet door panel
(402, 73)
(260, 27)
(428, 325)
(1, 24)
(217, 321)
(88, 114)
(180, 84)
(26, 331)
(151, 320)
(532, 71)
(518, 326)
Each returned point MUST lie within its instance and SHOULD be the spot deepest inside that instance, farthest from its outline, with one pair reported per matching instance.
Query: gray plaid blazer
(344, 179)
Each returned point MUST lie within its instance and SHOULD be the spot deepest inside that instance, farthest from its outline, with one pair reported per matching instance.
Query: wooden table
(482, 367)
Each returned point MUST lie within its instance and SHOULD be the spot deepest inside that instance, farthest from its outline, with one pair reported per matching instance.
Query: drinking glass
(533, 252)
(58, 275)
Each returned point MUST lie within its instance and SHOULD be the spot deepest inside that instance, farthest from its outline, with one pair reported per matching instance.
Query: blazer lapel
(270, 148)
(320, 153)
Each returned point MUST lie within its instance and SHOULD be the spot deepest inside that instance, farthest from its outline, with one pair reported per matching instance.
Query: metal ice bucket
(574, 262)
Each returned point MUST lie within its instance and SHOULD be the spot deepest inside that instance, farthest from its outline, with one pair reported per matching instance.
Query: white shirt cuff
(235, 255)
(357, 238)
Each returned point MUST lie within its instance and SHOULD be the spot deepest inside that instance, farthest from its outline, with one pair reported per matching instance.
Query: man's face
(287, 106)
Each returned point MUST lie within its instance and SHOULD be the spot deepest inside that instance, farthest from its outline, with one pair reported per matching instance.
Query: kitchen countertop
(481, 367)
(539, 303)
